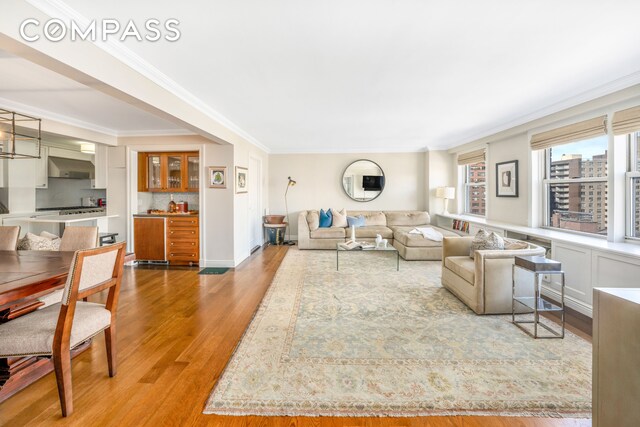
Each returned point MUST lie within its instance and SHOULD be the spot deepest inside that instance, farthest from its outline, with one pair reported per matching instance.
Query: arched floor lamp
(291, 183)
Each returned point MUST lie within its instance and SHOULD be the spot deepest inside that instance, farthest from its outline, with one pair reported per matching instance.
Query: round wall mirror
(363, 180)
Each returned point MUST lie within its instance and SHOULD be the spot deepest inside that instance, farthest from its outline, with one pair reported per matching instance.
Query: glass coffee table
(340, 248)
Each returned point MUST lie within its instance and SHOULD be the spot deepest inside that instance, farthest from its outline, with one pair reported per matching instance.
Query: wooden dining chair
(55, 330)
(9, 235)
(76, 237)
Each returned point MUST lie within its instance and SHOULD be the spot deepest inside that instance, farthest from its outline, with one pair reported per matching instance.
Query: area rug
(370, 341)
(213, 270)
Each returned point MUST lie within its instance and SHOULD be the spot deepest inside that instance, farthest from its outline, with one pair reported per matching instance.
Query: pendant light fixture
(16, 130)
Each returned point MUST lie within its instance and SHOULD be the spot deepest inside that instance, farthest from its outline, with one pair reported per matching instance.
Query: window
(633, 185)
(576, 186)
(474, 187)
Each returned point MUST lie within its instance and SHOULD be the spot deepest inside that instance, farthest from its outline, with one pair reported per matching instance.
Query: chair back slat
(91, 268)
(76, 238)
(9, 235)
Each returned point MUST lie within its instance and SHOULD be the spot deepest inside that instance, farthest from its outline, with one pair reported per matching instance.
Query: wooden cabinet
(183, 241)
(616, 354)
(169, 172)
(148, 238)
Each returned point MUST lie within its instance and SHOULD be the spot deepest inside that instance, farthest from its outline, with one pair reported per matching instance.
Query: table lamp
(446, 193)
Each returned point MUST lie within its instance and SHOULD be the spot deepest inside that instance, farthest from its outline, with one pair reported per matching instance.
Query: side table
(539, 266)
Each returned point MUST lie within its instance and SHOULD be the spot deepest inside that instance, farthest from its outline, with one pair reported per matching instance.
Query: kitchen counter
(167, 214)
(68, 219)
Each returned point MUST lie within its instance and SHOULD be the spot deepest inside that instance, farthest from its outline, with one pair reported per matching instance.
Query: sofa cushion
(485, 241)
(356, 221)
(370, 231)
(313, 219)
(339, 218)
(32, 242)
(328, 233)
(401, 235)
(325, 218)
(407, 218)
(512, 244)
(372, 217)
(463, 266)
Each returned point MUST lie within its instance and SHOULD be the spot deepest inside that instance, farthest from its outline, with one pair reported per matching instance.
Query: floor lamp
(291, 183)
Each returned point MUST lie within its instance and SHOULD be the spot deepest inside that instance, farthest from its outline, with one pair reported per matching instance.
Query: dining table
(24, 277)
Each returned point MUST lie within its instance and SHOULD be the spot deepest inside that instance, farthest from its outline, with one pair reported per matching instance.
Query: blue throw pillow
(326, 218)
(358, 221)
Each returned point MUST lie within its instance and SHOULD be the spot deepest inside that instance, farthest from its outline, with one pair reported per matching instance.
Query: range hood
(60, 167)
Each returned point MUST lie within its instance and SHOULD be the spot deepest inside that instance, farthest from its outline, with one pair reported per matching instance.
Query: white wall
(440, 172)
(319, 178)
(513, 210)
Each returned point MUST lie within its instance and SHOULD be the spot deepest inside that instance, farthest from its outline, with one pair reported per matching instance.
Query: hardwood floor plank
(176, 333)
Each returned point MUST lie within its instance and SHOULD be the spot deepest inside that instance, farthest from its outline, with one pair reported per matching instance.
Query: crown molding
(353, 151)
(59, 9)
(557, 107)
(155, 132)
(48, 115)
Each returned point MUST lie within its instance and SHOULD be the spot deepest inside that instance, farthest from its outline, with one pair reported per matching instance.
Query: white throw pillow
(339, 218)
(32, 242)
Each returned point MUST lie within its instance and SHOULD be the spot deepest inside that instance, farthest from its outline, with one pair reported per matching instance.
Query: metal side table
(539, 266)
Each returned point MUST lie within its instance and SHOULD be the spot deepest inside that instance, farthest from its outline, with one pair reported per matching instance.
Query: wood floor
(177, 329)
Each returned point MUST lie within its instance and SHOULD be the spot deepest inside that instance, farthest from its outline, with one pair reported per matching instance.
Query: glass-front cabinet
(193, 172)
(169, 172)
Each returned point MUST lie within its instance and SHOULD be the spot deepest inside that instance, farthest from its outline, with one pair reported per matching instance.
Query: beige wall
(319, 178)
(440, 172)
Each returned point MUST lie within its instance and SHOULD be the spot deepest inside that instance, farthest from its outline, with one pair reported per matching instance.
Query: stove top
(74, 210)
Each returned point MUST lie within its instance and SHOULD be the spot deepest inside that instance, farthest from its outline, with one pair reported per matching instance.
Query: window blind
(471, 157)
(626, 121)
(575, 132)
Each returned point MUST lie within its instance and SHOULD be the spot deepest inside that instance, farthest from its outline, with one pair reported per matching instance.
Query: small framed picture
(242, 179)
(217, 177)
(507, 179)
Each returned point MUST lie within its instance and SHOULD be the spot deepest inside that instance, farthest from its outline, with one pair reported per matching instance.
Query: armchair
(484, 283)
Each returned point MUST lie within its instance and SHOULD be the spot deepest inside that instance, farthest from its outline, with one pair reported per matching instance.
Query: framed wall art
(242, 179)
(507, 179)
(217, 177)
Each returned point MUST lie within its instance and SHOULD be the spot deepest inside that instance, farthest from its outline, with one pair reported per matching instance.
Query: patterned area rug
(370, 341)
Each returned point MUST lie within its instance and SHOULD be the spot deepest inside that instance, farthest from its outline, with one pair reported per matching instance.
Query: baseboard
(570, 302)
(217, 263)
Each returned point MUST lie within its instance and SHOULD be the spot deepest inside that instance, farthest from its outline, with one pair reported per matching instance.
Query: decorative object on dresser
(217, 177)
(49, 331)
(445, 193)
(242, 180)
(507, 179)
(169, 172)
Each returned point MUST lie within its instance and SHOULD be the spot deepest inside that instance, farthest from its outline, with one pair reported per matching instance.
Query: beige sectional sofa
(391, 225)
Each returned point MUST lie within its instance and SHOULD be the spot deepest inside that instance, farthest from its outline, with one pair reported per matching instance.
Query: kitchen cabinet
(42, 169)
(183, 241)
(172, 238)
(148, 238)
(100, 163)
(168, 172)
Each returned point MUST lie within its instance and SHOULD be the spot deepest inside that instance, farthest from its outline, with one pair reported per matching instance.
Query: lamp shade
(440, 192)
(449, 192)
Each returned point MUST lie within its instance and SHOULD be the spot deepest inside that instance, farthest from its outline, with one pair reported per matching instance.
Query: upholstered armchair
(484, 283)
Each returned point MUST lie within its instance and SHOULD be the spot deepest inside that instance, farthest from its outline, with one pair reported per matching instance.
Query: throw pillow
(313, 219)
(325, 218)
(32, 242)
(357, 221)
(339, 218)
(485, 241)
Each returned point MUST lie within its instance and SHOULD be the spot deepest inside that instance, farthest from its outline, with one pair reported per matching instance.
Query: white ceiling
(379, 75)
(31, 89)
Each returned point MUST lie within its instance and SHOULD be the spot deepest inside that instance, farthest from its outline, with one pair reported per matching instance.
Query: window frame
(633, 172)
(467, 188)
(547, 182)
